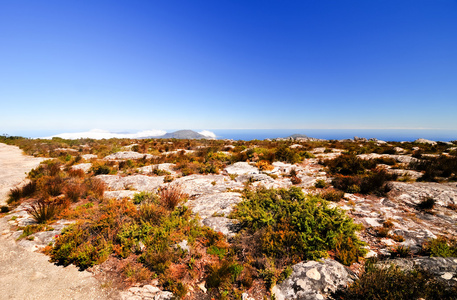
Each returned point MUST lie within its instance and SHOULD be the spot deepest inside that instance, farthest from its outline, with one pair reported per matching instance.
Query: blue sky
(142, 65)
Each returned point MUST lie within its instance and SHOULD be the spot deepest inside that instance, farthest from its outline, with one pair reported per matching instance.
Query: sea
(397, 135)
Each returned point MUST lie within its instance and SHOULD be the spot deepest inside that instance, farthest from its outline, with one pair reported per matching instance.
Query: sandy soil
(29, 275)
(14, 167)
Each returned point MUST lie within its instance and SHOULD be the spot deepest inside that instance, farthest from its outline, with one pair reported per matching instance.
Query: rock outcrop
(134, 182)
(124, 155)
(443, 268)
(414, 193)
(313, 280)
(85, 167)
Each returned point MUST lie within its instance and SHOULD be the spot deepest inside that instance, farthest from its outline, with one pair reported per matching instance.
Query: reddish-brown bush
(171, 196)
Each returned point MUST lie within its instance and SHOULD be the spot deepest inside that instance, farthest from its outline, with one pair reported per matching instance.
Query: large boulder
(313, 280)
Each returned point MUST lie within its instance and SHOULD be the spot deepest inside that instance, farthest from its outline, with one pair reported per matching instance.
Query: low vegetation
(287, 226)
(155, 236)
(392, 283)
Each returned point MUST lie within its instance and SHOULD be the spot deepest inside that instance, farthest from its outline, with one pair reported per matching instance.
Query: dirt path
(29, 275)
(13, 168)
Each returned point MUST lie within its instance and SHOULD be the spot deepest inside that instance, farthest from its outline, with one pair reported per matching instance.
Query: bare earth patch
(29, 275)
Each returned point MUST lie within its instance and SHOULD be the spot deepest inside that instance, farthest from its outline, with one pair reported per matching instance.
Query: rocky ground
(212, 198)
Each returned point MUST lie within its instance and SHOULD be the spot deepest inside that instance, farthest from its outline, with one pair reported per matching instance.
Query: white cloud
(208, 133)
(105, 134)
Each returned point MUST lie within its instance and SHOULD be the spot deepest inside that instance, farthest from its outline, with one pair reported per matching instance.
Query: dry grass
(74, 190)
(95, 188)
(171, 196)
(44, 210)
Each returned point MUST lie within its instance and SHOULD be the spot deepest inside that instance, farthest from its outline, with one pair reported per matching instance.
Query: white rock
(124, 155)
(85, 167)
(241, 168)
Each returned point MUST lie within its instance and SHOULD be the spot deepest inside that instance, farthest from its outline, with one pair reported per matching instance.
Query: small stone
(141, 246)
(201, 285)
(245, 296)
(313, 274)
(151, 289)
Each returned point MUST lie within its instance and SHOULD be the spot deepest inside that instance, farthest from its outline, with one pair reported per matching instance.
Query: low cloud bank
(99, 134)
(208, 133)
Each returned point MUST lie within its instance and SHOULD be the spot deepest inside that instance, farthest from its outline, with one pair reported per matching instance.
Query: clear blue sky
(137, 65)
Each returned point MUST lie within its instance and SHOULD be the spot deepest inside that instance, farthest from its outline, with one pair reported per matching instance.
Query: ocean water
(337, 134)
(328, 134)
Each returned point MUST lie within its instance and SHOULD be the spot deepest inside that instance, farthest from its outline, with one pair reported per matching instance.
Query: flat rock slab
(313, 280)
(414, 193)
(195, 185)
(399, 158)
(124, 155)
(14, 167)
(84, 166)
(241, 168)
(214, 204)
(134, 182)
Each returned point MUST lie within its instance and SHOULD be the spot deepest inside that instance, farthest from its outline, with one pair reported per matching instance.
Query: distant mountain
(183, 134)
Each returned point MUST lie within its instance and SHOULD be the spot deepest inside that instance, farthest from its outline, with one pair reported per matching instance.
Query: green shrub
(321, 184)
(436, 168)
(144, 197)
(285, 154)
(349, 164)
(373, 182)
(440, 247)
(101, 169)
(295, 227)
(222, 274)
(391, 283)
(331, 195)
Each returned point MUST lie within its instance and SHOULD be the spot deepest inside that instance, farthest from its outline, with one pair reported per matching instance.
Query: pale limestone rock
(312, 280)
(124, 155)
(241, 168)
(414, 193)
(424, 141)
(214, 204)
(85, 167)
(89, 156)
(133, 182)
